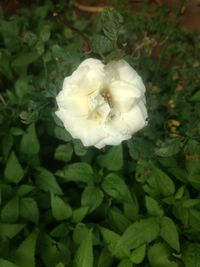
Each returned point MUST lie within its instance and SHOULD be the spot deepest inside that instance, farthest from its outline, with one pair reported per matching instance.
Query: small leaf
(24, 189)
(79, 214)
(80, 232)
(160, 182)
(153, 207)
(78, 172)
(84, 254)
(24, 59)
(25, 253)
(169, 233)
(46, 181)
(5, 263)
(137, 256)
(62, 134)
(115, 187)
(195, 97)
(158, 256)
(10, 212)
(138, 233)
(13, 171)
(113, 159)
(111, 240)
(92, 197)
(125, 263)
(105, 258)
(29, 209)
(10, 230)
(64, 152)
(118, 220)
(191, 255)
(60, 264)
(79, 148)
(169, 148)
(101, 44)
(60, 209)
(112, 23)
(29, 142)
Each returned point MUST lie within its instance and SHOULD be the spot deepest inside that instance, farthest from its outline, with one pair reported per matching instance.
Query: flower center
(100, 105)
(107, 97)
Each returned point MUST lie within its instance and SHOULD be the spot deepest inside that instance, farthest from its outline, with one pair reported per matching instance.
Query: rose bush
(102, 104)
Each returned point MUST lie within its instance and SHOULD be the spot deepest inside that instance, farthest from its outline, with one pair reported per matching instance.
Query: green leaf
(25, 253)
(10, 212)
(84, 254)
(22, 60)
(5, 263)
(111, 240)
(45, 33)
(29, 209)
(113, 159)
(118, 220)
(46, 181)
(125, 263)
(112, 23)
(92, 197)
(137, 256)
(160, 182)
(115, 187)
(138, 233)
(5, 68)
(7, 143)
(79, 214)
(29, 143)
(25, 189)
(169, 148)
(195, 97)
(58, 231)
(51, 252)
(101, 44)
(158, 256)
(169, 233)
(60, 209)
(64, 152)
(79, 148)
(105, 259)
(10, 230)
(191, 255)
(13, 171)
(78, 172)
(80, 232)
(60, 264)
(153, 207)
(62, 134)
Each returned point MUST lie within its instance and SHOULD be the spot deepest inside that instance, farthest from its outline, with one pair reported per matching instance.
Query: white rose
(102, 104)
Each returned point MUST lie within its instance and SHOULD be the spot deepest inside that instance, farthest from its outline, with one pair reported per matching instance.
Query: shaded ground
(189, 16)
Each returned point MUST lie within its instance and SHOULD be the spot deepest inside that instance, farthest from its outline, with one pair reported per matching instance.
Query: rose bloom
(102, 104)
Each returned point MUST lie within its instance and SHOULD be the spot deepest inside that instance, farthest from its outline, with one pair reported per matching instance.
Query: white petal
(92, 63)
(118, 131)
(88, 77)
(136, 118)
(121, 70)
(75, 106)
(88, 131)
(124, 95)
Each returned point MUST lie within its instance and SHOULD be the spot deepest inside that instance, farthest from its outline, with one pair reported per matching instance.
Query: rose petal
(87, 78)
(124, 95)
(121, 70)
(88, 131)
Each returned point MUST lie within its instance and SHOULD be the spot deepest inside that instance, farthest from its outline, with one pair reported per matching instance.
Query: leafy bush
(62, 204)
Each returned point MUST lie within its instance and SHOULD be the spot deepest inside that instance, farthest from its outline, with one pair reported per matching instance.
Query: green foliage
(62, 204)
